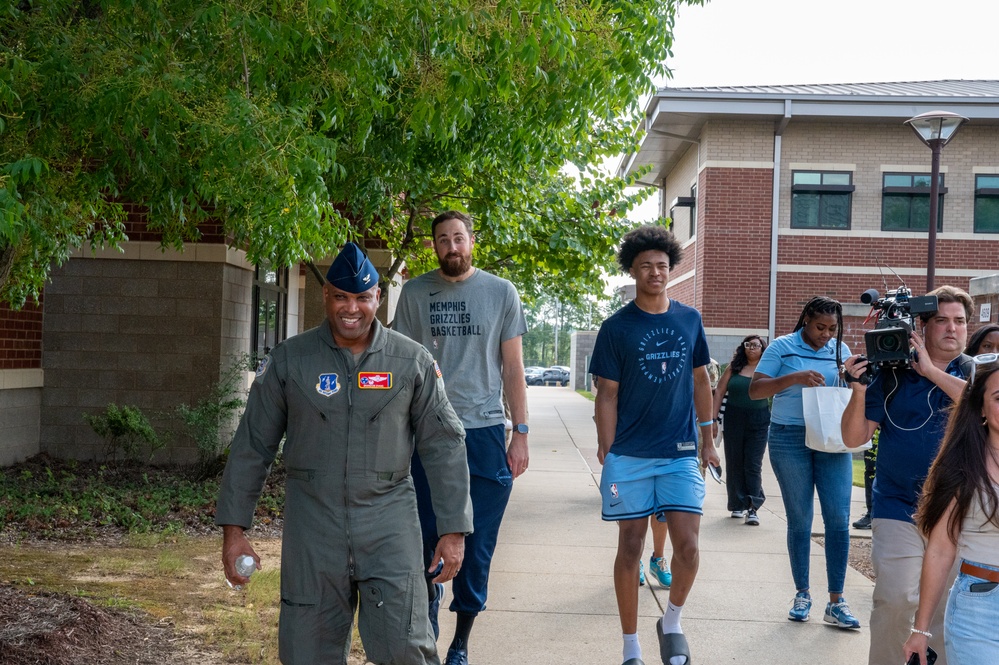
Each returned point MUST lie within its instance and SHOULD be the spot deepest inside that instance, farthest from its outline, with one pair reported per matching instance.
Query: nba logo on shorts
(613, 489)
(664, 368)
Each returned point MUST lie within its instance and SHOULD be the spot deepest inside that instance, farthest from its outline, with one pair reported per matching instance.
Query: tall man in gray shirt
(472, 322)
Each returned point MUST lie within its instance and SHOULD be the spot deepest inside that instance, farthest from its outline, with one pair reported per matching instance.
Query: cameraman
(910, 406)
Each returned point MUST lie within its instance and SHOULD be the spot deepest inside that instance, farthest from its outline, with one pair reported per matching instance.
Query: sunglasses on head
(981, 359)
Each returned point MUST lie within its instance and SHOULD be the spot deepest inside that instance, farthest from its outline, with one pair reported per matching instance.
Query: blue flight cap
(352, 271)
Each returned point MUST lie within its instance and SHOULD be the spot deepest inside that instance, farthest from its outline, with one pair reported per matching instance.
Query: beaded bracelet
(928, 634)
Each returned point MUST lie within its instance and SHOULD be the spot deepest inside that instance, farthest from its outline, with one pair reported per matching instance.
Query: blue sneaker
(641, 574)
(456, 657)
(802, 604)
(660, 570)
(839, 614)
(435, 608)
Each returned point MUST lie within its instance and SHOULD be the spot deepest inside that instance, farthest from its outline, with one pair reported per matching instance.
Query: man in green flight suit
(352, 399)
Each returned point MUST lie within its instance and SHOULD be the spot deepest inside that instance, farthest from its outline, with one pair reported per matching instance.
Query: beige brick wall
(678, 183)
(874, 148)
(737, 141)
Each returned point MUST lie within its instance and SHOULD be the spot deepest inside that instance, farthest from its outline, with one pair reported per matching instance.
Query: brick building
(147, 327)
(786, 192)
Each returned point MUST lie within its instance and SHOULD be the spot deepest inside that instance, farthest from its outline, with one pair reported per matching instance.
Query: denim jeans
(970, 621)
(800, 472)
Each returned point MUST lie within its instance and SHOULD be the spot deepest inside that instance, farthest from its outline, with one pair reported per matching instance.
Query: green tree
(288, 127)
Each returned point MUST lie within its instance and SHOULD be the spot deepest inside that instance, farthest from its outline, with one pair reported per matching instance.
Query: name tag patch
(374, 380)
(328, 385)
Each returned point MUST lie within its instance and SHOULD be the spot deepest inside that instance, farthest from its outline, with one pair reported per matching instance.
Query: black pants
(869, 468)
(745, 444)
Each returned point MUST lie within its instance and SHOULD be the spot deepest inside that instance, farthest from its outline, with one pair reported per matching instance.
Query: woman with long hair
(985, 340)
(746, 423)
(959, 514)
(808, 357)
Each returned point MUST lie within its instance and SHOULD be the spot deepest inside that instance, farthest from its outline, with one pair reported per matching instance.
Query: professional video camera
(888, 344)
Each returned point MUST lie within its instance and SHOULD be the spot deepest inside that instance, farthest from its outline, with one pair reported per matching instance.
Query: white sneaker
(738, 514)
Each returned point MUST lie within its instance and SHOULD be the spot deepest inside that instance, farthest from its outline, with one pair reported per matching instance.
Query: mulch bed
(42, 628)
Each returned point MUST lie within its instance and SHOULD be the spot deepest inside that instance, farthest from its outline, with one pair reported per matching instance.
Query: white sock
(632, 649)
(671, 619)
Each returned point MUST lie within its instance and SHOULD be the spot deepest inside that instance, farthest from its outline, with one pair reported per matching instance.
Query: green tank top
(738, 394)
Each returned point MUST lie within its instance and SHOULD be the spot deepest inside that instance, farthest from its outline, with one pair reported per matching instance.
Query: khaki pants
(897, 556)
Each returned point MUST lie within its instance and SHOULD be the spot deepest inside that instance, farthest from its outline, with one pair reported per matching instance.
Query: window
(821, 199)
(905, 202)
(270, 307)
(987, 204)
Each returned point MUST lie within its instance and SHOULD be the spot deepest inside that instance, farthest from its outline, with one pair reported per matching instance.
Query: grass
(587, 394)
(142, 538)
(858, 473)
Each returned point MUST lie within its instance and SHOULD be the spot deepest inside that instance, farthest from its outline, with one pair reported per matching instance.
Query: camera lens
(889, 344)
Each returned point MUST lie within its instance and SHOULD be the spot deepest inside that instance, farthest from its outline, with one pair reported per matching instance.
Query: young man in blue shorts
(653, 406)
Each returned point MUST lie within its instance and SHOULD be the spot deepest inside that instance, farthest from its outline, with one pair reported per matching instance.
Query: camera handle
(865, 378)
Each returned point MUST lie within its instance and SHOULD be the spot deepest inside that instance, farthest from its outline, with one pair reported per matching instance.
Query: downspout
(775, 217)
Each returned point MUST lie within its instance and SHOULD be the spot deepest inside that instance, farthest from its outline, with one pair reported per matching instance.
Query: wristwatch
(521, 428)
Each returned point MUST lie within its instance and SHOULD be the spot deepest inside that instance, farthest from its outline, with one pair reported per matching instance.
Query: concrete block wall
(148, 333)
(20, 381)
(20, 414)
(581, 349)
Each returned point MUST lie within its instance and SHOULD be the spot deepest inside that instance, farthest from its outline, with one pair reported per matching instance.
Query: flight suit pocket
(390, 434)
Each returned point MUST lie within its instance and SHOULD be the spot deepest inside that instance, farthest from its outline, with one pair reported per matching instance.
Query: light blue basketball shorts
(636, 487)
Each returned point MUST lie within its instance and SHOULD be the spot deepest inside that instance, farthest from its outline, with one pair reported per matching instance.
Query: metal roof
(674, 117)
(935, 89)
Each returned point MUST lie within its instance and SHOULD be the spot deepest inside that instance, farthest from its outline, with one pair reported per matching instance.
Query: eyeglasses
(981, 359)
(752, 345)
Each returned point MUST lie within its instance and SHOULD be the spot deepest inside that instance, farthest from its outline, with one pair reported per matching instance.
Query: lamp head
(936, 126)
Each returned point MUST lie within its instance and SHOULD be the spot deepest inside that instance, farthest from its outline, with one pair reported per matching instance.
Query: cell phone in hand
(931, 657)
(716, 472)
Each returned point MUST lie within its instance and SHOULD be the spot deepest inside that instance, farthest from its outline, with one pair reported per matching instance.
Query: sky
(784, 42)
(771, 42)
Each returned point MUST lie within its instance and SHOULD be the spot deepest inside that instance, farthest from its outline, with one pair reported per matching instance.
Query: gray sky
(768, 42)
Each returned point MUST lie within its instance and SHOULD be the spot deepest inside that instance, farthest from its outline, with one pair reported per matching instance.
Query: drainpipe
(774, 220)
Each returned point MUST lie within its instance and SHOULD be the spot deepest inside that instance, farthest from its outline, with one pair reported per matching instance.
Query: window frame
(911, 193)
(823, 190)
(278, 290)
(991, 193)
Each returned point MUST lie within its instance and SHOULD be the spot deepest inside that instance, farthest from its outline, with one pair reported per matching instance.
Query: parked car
(557, 374)
(533, 376)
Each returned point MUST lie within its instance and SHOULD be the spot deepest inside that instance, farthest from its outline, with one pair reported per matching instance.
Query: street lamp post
(935, 129)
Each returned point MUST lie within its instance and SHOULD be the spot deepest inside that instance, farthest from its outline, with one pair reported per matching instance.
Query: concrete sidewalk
(551, 593)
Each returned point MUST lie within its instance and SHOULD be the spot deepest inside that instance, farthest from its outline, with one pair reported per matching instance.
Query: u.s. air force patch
(262, 366)
(328, 385)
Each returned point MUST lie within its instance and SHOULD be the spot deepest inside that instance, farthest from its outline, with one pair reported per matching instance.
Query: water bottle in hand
(245, 565)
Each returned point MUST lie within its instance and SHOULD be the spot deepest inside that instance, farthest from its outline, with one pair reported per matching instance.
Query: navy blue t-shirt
(909, 439)
(652, 357)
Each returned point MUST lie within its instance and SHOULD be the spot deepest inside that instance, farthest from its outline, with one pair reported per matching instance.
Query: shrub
(208, 422)
(124, 430)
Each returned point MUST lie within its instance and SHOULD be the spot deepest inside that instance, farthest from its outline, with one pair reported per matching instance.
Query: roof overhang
(674, 118)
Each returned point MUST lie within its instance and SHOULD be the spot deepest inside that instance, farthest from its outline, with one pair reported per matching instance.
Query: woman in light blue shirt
(809, 356)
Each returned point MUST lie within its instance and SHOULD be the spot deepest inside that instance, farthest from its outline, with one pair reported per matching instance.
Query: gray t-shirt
(463, 324)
